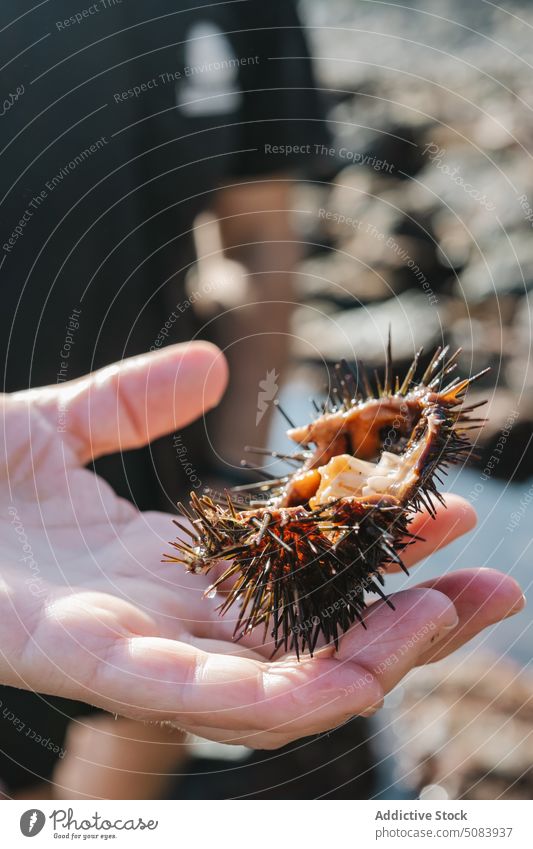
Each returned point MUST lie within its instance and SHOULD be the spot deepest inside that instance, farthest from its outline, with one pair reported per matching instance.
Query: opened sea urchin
(309, 546)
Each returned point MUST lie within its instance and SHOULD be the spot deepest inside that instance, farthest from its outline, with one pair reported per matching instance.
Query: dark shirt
(132, 114)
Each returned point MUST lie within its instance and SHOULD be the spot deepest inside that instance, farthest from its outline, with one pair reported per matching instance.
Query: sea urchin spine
(309, 545)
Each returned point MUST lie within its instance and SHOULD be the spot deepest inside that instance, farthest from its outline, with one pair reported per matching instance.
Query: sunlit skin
(108, 623)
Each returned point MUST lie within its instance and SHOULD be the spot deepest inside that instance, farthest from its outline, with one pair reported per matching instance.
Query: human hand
(92, 614)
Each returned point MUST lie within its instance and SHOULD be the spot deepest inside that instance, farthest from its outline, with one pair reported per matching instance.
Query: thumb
(130, 403)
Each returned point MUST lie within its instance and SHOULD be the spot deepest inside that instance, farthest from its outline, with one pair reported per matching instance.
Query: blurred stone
(344, 280)
(505, 267)
(509, 414)
(352, 197)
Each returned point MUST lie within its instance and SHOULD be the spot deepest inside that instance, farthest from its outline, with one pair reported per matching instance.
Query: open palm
(88, 611)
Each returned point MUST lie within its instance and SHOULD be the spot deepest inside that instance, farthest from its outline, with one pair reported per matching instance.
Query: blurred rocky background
(428, 225)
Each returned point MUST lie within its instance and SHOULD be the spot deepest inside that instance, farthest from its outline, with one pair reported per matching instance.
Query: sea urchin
(308, 546)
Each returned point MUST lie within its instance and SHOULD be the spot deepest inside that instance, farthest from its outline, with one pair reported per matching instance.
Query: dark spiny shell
(303, 570)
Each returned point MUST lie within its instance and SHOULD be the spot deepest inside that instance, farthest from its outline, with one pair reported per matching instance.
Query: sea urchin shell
(309, 545)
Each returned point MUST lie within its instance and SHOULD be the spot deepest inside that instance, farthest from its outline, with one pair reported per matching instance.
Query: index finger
(129, 404)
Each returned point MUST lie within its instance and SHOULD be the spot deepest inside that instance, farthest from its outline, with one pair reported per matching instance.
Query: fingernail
(452, 626)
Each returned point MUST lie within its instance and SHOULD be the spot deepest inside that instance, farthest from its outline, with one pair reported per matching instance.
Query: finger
(106, 754)
(155, 678)
(481, 597)
(287, 697)
(394, 640)
(450, 522)
(128, 404)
